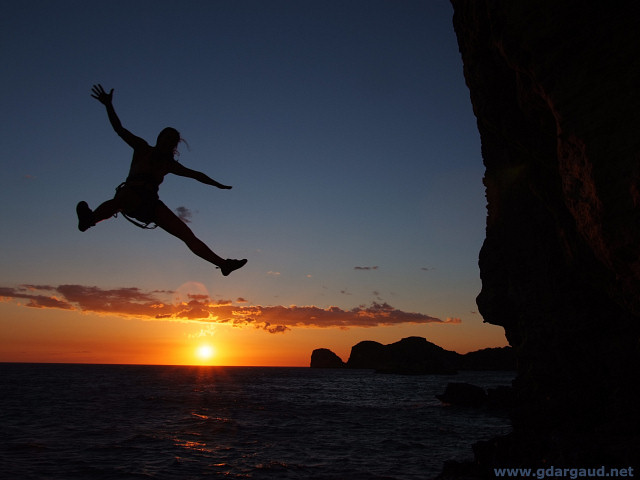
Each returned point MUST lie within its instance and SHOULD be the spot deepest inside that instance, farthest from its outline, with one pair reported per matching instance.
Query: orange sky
(57, 335)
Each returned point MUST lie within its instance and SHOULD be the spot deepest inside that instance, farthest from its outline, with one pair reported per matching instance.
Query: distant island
(414, 356)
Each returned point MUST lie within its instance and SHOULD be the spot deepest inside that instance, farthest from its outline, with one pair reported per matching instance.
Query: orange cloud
(35, 300)
(133, 302)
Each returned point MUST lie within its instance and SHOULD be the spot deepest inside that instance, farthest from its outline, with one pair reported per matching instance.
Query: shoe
(231, 264)
(85, 216)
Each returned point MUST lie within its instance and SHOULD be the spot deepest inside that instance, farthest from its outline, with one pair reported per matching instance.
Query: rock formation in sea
(500, 358)
(464, 394)
(555, 87)
(411, 355)
(325, 358)
(414, 356)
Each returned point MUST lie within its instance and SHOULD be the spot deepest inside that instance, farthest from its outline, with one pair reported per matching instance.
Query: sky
(345, 129)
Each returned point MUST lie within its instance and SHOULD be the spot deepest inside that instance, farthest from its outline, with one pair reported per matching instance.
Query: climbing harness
(146, 226)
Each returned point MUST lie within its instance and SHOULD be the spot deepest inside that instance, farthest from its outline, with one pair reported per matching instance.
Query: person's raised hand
(102, 96)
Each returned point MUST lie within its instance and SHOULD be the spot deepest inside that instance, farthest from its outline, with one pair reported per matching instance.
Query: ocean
(161, 422)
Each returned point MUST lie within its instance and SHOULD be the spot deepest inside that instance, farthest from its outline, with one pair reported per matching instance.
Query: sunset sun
(205, 353)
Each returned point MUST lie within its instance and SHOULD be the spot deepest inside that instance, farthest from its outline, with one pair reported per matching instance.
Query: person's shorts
(139, 202)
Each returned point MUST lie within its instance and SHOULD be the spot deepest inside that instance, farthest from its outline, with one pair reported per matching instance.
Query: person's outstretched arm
(179, 169)
(107, 100)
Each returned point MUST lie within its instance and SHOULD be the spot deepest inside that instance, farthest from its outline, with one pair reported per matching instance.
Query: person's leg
(169, 221)
(88, 218)
(107, 210)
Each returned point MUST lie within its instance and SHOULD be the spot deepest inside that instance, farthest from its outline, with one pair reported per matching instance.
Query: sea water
(162, 422)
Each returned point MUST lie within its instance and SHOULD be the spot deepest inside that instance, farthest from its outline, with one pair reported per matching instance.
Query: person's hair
(176, 133)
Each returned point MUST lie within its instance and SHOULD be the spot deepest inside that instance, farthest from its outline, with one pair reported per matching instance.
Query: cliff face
(555, 89)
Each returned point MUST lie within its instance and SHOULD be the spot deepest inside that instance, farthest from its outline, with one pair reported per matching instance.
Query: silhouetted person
(138, 196)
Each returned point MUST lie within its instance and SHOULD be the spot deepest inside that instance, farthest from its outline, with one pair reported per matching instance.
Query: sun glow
(205, 353)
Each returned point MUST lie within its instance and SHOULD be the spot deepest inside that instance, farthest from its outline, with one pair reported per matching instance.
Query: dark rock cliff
(414, 356)
(411, 355)
(555, 89)
(325, 358)
(500, 358)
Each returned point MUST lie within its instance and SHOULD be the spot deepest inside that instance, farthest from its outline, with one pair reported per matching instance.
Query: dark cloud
(133, 302)
(275, 328)
(366, 268)
(35, 299)
(129, 301)
(184, 214)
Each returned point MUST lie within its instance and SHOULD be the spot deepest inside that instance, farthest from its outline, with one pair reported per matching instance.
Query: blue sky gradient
(345, 128)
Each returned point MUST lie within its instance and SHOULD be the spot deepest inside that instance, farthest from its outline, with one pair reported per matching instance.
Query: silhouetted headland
(325, 358)
(414, 356)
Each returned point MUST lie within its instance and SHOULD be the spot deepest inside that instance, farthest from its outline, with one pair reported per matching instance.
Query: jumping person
(138, 197)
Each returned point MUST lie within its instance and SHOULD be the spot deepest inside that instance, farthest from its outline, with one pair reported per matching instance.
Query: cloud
(35, 300)
(366, 268)
(184, 214)
(163, 305)
(208, 331)
(275, 329)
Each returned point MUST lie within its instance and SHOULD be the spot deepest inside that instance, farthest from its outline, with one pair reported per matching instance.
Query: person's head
(168, 140)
